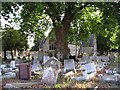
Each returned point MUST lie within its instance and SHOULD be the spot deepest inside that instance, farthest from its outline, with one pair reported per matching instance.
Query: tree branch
(75, 11)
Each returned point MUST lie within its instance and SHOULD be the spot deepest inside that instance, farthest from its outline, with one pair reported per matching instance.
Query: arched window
(51, 46)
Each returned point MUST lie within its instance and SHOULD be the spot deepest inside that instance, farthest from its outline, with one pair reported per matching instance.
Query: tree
(12, 40)
(62, 14)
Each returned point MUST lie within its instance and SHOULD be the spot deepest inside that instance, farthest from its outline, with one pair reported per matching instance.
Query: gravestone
(69, 65)
(25, 71)
(12, 64)
(90, 70)
(58, 55)
(88, 50)
(91, 40)
(45, 58)
(85, 58)
(103, 58)
(35, 66)
(51, 70)
(90, 67)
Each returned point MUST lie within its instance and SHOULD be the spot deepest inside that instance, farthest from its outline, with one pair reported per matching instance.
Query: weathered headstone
(35, 66)
(45, 58)
(90, 67)
(51, 69)
(103, 58)
(85, 58)
(91, 40)
(90, 70)
(58, 55)
(24, 71)
(12, 64)
(69, 65)
(88, 50)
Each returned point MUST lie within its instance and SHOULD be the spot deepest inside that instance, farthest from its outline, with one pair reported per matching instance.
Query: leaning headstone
(51, 69)
(69, 65)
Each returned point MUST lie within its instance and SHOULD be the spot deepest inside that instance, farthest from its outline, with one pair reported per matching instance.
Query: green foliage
(80, 18)
(34, 19)
(36, 46)
(88, 21)
(58, 86)
(12, 40)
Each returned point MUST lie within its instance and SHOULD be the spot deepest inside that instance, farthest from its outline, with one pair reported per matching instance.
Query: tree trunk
(61, 42)
(12, 54)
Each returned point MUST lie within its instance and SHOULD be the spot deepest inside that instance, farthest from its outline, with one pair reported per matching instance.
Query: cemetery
(60, 45)
(89, 71)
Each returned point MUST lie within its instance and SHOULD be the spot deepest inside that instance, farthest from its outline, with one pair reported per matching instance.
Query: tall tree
(61, 14)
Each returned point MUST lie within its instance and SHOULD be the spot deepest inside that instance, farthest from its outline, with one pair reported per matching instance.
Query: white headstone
(58, 55)
(45, 58)
(49, 76)
(35, 66)
(90, 67)
(51, 69)
(12, 64)
(69, 65)
(2, 66)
